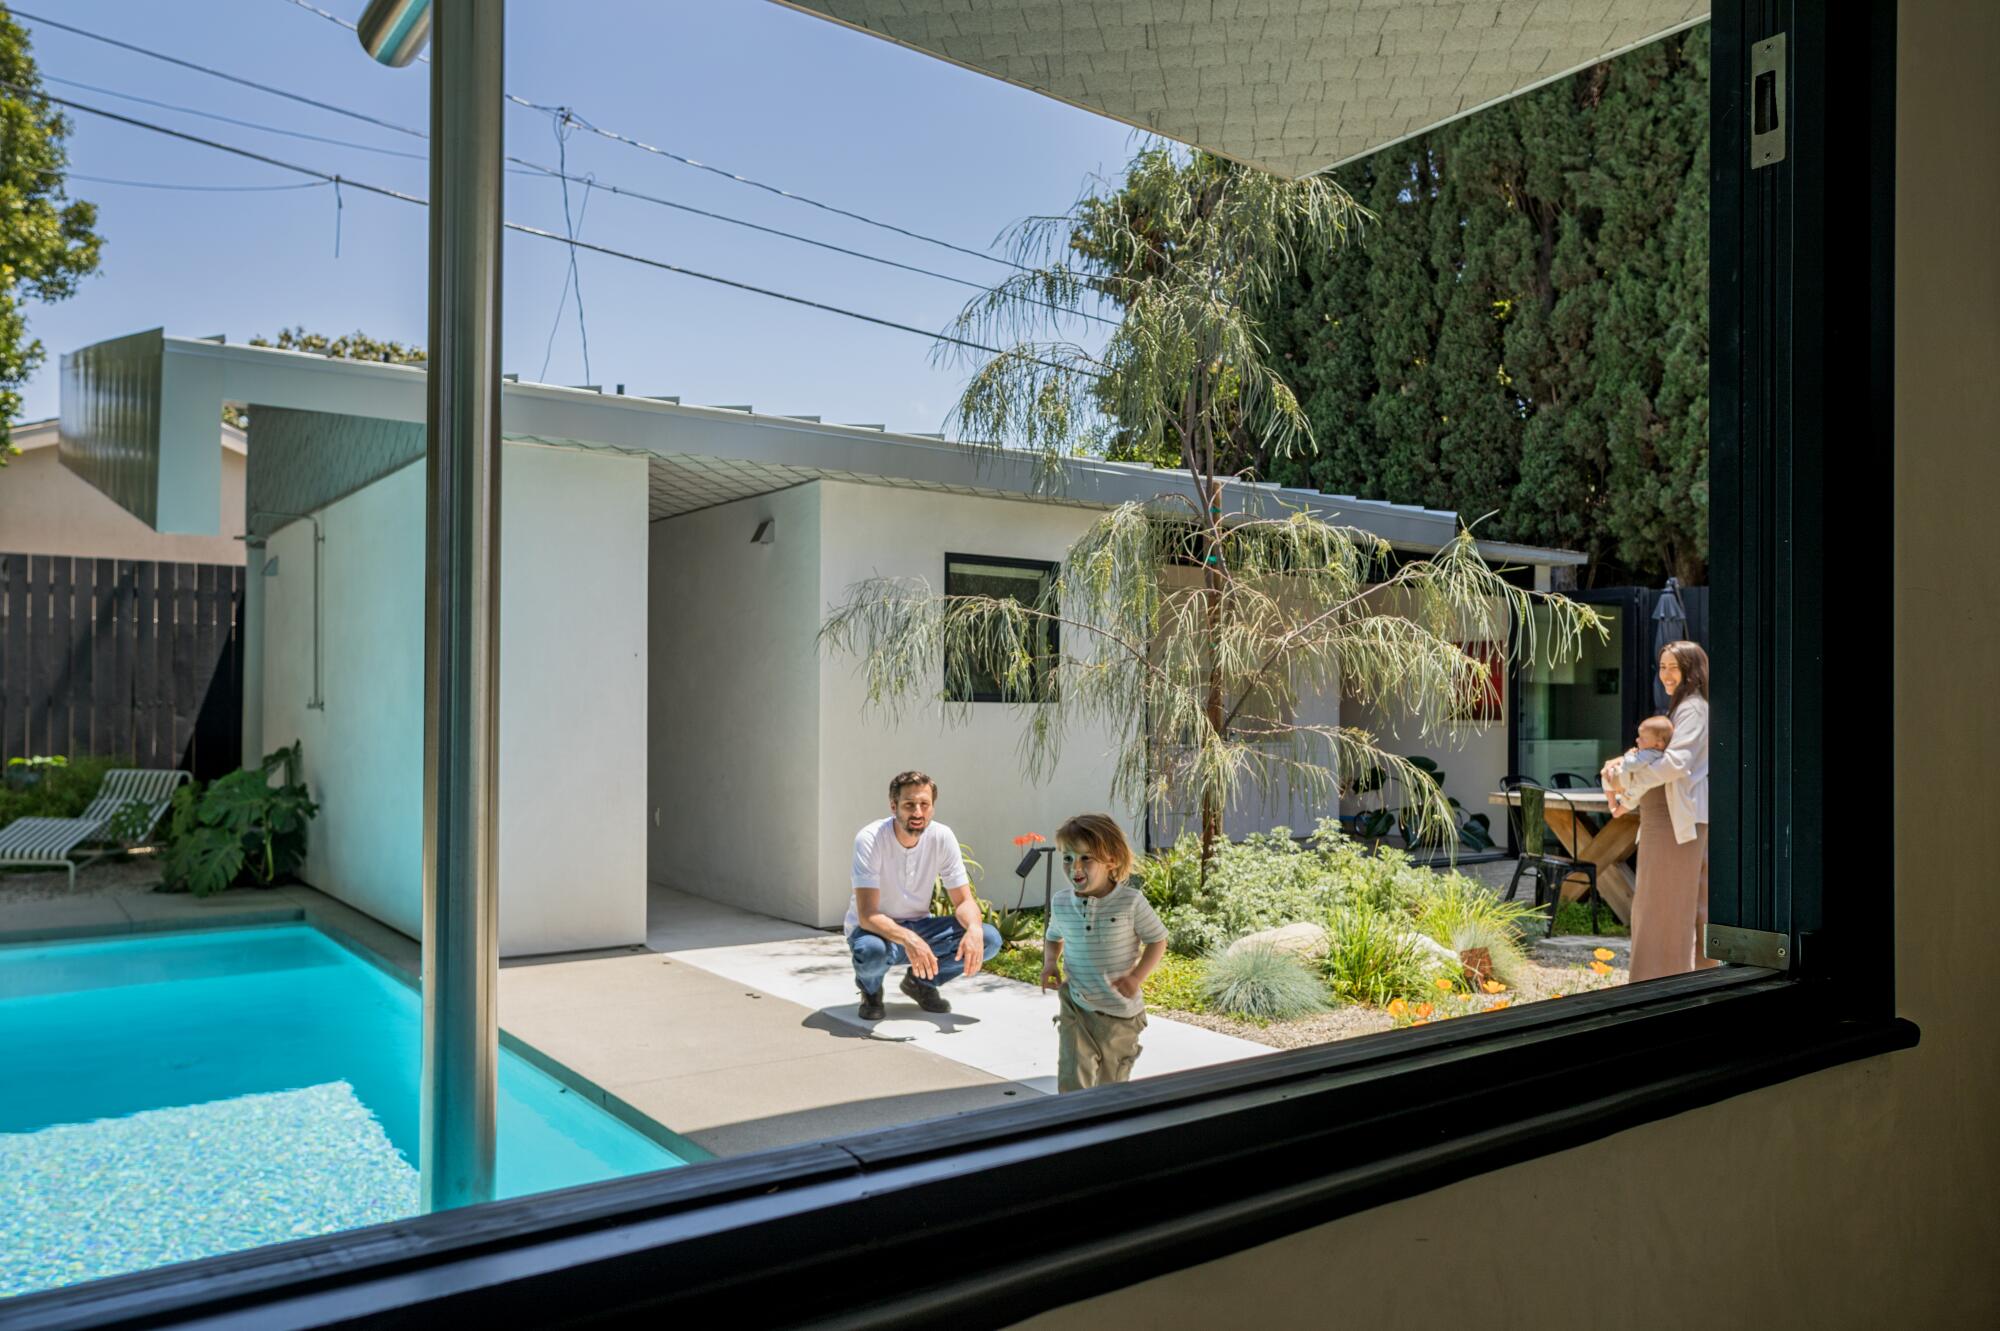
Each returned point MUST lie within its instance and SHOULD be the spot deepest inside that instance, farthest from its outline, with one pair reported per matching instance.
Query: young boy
(1655, 733)
(1112, 940)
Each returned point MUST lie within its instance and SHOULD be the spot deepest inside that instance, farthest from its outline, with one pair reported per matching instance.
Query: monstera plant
(240, 828)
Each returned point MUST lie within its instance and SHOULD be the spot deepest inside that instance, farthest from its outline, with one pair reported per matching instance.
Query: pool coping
(387, 949)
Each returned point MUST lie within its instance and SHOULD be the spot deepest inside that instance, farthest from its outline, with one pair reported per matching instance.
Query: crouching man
(889, 923)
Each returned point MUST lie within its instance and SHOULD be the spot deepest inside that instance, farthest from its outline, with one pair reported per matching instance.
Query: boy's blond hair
(1098, 836)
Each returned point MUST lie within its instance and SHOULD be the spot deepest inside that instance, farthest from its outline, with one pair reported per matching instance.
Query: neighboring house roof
(327, 427)
(30, 435)
(1291, 88)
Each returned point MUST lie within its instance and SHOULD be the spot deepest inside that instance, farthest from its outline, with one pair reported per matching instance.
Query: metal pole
(461, 953)
(250, 628)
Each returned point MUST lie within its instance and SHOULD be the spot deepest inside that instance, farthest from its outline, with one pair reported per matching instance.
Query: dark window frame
(1044, 686)
(1218, 1159)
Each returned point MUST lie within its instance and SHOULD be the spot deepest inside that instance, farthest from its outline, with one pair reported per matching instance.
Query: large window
(1246, 1151)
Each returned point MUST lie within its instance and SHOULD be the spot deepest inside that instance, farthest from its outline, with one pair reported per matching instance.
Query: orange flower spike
(1600, 968)
(1604, 954)
(1424, 1009)
(1493, 987)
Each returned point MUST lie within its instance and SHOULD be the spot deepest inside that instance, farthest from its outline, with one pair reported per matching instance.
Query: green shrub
(64, 790)
(1573, 917)
(1371, 958)
(1262, 983)
(1270, 879)
(240, 828)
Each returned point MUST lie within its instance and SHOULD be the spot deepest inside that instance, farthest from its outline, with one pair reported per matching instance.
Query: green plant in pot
(241, 828)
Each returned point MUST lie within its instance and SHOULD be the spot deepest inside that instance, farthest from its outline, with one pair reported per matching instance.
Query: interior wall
(985, 796)
(733, 750)
(573, 647)
(1858, 1197)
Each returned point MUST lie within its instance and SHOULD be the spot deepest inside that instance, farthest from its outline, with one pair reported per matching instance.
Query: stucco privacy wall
(986, 797)
(572, 711)
(47, 509)
(1859, 1197)
(734, 699)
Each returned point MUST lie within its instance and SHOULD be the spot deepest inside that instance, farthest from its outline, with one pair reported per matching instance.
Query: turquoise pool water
(170, 1097)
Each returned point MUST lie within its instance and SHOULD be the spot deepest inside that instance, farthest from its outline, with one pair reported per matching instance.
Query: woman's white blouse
(1682, 769)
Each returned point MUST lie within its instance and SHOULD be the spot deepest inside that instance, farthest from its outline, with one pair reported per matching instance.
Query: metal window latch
(1768, 109)
(1748, 947)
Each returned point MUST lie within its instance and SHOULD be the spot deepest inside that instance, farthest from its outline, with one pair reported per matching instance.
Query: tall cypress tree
(1522, 331)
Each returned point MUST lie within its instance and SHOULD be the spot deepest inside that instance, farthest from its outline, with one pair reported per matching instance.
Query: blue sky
(759, 89)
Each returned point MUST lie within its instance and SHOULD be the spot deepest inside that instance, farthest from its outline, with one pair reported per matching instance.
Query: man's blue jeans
(874, 955)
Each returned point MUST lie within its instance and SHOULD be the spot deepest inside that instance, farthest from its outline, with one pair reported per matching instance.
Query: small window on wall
(1023, 580)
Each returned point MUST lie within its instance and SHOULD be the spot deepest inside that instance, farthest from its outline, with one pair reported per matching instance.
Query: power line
(351, 183)
(564, 117)
(220, 74)
(726, 174)
(164, 184)
(232, 120)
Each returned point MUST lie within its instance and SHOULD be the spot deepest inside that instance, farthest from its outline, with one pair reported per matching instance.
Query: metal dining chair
(1543, 855)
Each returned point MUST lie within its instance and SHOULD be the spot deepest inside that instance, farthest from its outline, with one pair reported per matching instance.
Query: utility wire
(562, 115)
(571, 277)
(232, 120)
(207, 189)
(726, 174)
(663, 265)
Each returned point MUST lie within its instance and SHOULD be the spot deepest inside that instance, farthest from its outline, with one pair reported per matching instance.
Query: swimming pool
(170, 1097)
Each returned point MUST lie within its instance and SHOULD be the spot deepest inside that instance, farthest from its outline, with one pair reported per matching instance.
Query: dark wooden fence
(121, 658)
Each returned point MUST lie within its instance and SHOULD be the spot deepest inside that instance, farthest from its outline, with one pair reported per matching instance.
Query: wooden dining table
(1607, 847)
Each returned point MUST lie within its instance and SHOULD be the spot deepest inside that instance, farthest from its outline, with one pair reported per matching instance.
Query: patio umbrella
(1670, 624)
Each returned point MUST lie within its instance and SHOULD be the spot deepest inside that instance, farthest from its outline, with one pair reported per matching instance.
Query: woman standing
(1670, 904)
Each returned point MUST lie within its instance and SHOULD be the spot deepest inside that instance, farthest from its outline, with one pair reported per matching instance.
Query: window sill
(1212, 1161)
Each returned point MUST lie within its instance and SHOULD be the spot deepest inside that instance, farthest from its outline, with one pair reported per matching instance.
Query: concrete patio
(733, 1031)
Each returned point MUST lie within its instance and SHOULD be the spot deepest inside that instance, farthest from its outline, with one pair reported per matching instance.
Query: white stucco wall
(734, 699)
(572, 697)
(984, 795)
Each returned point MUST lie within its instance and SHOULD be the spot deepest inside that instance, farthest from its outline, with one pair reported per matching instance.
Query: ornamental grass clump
(1371, 958)
(1465, 917)
(1262, 983)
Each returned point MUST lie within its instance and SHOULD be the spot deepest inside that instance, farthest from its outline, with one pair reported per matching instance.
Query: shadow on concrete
(837, 1120)
(845, 1022)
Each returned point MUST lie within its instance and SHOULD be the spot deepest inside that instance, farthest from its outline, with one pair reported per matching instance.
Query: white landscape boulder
(1298, 940)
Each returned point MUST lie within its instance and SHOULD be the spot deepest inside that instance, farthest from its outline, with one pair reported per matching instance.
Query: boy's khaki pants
(1093, 1049)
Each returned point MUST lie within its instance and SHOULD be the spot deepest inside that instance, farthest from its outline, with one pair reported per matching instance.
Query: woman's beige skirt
(1670, 905)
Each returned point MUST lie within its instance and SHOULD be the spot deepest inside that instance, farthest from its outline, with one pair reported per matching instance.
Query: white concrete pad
(996, 1025)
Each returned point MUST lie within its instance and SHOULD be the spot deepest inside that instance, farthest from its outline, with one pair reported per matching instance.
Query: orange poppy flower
(1600, 968)
(1497, 1006)
(1421, 1021)
(1604, 954)
(1423, 1009)
(1397, 1007)
(1443, 985)
(1493, 987)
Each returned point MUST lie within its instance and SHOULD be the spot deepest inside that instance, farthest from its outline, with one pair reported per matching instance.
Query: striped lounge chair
(51, 843)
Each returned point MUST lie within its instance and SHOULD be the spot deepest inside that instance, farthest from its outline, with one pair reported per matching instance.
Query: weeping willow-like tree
(1194, 628)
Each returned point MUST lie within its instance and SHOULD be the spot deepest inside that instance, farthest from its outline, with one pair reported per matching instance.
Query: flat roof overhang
(1292, 86)
(371, 418)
